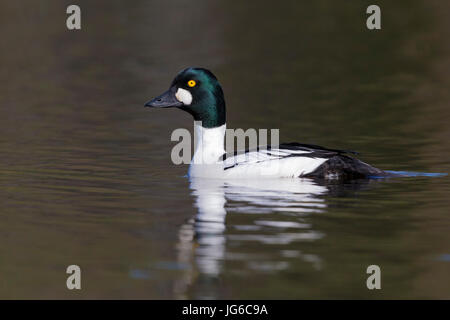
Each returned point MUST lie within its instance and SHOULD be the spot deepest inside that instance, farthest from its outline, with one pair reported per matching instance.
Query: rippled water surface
(86, 176)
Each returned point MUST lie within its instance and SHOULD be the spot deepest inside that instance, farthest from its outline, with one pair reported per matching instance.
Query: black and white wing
(298, 160)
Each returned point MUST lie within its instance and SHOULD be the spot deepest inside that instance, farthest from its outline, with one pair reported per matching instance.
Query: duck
(197, 91)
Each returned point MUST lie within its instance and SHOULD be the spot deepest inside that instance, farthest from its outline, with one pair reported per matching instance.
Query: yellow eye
(191, 83)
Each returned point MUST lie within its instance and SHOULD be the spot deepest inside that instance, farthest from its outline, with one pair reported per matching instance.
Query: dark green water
(86, 176)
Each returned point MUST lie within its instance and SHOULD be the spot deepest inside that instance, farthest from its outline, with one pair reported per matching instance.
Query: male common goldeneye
(197, 91)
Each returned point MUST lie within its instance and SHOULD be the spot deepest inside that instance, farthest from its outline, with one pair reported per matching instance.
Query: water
(85, 171)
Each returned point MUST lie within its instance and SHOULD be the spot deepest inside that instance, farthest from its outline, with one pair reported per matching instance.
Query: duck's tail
(343, 167)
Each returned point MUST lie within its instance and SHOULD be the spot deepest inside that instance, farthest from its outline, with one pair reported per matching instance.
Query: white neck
(209, 144)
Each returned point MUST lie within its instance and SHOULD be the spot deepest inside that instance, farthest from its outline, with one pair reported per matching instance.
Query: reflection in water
(202, 240)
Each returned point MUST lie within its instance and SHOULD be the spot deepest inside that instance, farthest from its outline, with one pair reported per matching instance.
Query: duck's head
(197, 91)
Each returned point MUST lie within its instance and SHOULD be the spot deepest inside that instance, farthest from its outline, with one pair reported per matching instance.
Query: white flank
(257, 166)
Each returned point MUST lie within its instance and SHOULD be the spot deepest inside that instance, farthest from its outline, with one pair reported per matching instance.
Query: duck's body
(198, 92)
(285, 160)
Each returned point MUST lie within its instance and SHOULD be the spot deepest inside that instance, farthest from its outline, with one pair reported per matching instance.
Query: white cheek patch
(184, 96)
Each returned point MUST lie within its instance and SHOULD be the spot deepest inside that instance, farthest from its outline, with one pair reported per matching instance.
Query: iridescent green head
(197, 91)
